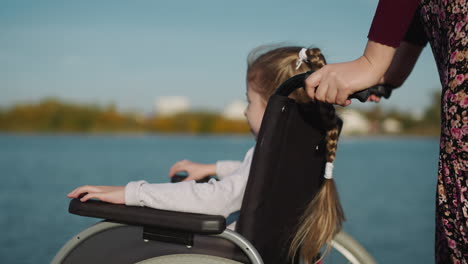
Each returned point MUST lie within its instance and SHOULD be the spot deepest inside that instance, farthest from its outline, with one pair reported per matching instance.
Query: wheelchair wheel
(188, 259)
(347, 250)
(104, 243)
(109, 242)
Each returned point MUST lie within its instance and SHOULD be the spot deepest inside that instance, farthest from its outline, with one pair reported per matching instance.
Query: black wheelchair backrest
(286, 172)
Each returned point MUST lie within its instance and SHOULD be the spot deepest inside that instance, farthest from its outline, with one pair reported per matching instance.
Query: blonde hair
(268, 67)
(324, 215)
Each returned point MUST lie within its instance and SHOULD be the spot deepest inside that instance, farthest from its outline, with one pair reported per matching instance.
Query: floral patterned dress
(446, 27)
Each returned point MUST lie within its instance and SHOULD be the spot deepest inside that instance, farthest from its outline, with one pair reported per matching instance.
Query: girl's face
(255, 109)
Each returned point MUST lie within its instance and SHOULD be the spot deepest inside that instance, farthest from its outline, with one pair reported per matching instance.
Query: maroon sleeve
(415, 33)
(391, 21)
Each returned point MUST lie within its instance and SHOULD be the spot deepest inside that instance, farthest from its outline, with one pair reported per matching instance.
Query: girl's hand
(195, 171)
(110, 194)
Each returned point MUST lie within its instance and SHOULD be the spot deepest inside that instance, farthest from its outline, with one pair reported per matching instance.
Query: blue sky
(131, 52)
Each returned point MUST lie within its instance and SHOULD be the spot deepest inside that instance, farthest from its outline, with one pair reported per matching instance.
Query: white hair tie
(328, 171)
(302, 58)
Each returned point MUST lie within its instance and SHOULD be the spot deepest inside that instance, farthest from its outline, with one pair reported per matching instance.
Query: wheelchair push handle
(380, 90)
(297, 81)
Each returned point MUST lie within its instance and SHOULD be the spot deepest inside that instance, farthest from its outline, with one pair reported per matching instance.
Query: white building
(169, 105)
(235, 110)
(354, 123)
(391, 125)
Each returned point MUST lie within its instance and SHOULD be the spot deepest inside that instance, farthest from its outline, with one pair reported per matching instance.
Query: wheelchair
(286, 172)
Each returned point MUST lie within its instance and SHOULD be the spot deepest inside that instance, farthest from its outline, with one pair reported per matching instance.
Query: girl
(267, 69)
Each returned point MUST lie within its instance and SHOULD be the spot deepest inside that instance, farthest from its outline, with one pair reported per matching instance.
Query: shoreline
(204, 135)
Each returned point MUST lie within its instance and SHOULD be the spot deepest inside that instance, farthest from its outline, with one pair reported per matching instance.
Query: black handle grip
(297, 81)
(293, 83)
(379, 90)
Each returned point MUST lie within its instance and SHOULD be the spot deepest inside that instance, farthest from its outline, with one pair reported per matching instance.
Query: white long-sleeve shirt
(221, 197)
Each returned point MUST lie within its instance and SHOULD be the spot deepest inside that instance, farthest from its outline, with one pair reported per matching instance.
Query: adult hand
(195, 171)
(334, 83)
(373, 97)
(402, 64)
(110, 194)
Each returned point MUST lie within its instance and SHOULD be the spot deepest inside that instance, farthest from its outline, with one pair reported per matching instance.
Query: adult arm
(335, 82)
(402, 64)
(406, 54)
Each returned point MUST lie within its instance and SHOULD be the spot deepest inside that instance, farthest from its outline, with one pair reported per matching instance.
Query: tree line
(54, 115)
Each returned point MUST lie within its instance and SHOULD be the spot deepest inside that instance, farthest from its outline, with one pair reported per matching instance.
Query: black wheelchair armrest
(148, 217)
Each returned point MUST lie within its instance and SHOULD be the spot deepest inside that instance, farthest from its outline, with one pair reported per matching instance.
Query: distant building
(235, 110)
(417, 114)
(391, 125)
(170, 105)
(354, 123)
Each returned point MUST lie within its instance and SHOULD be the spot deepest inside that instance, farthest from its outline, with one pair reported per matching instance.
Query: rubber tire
(188, 259)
